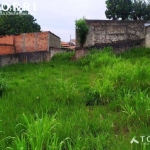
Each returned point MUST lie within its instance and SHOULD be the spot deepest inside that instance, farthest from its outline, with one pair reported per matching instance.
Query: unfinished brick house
(28, 47)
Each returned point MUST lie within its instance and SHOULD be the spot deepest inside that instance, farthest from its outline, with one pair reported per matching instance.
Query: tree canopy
(11, 22)
(128, 9)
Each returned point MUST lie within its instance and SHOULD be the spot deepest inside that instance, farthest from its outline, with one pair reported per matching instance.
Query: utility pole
(70, 41)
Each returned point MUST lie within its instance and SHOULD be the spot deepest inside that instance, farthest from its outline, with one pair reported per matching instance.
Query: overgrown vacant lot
(99, 102)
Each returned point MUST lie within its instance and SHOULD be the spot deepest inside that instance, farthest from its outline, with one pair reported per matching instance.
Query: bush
(82, 30)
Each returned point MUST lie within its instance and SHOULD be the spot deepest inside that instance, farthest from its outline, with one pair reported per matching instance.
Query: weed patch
(102, 101)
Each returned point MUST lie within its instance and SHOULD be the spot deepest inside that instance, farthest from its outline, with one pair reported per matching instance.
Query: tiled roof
(64, 44)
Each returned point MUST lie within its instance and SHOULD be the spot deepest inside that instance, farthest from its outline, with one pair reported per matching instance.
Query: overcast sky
(58, 16)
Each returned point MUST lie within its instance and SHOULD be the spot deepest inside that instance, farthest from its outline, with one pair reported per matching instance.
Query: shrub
(82, 30)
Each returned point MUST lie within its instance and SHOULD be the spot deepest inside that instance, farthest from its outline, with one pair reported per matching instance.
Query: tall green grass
(99, 102)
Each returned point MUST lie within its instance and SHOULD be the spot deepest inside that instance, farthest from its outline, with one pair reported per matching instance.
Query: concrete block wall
(79, 53)
(54, 41)
(113, 33)
(120, 35)
(147, 38)
(8, 59)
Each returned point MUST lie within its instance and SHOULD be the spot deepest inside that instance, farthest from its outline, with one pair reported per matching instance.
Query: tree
(11, 22)
(82, 30)
(148, 11)
(111, 12)
(118, 9)
(124, 8)
(128, 9)
(139, 10)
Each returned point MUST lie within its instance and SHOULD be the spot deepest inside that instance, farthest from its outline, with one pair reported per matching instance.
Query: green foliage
(65, 57)
(111, 12)
(17, 24)
(148, 11)
(82, 30)
(128, 9)
(76, 104)
(38, 134)
(140, 10)
(118, 9)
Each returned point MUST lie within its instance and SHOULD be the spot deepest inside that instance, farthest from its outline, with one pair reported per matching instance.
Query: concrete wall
(147, 37)
(8, 59)
(118, 34)
(24, 57)
(54, 41)
(80, 53)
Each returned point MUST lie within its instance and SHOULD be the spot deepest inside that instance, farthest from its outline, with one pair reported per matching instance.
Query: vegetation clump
(82, 30)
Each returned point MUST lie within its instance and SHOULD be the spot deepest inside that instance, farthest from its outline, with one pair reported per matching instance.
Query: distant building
(72, 42)
(68, 45)
(65, 45)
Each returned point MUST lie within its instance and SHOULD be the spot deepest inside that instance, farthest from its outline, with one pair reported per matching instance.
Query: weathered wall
(8, 59)
(24, 57)
(79, 53)
(54, 41)
(147, 30)
(7, 49)
(147, 37)
(118, 34)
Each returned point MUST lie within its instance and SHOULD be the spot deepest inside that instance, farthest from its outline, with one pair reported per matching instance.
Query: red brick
(6, 40)
(4, 50)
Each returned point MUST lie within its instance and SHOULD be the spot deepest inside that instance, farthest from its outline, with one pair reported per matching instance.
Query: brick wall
(7, 45)
(6, 40)
(28, 47)
(27, 42)
(31, 42)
